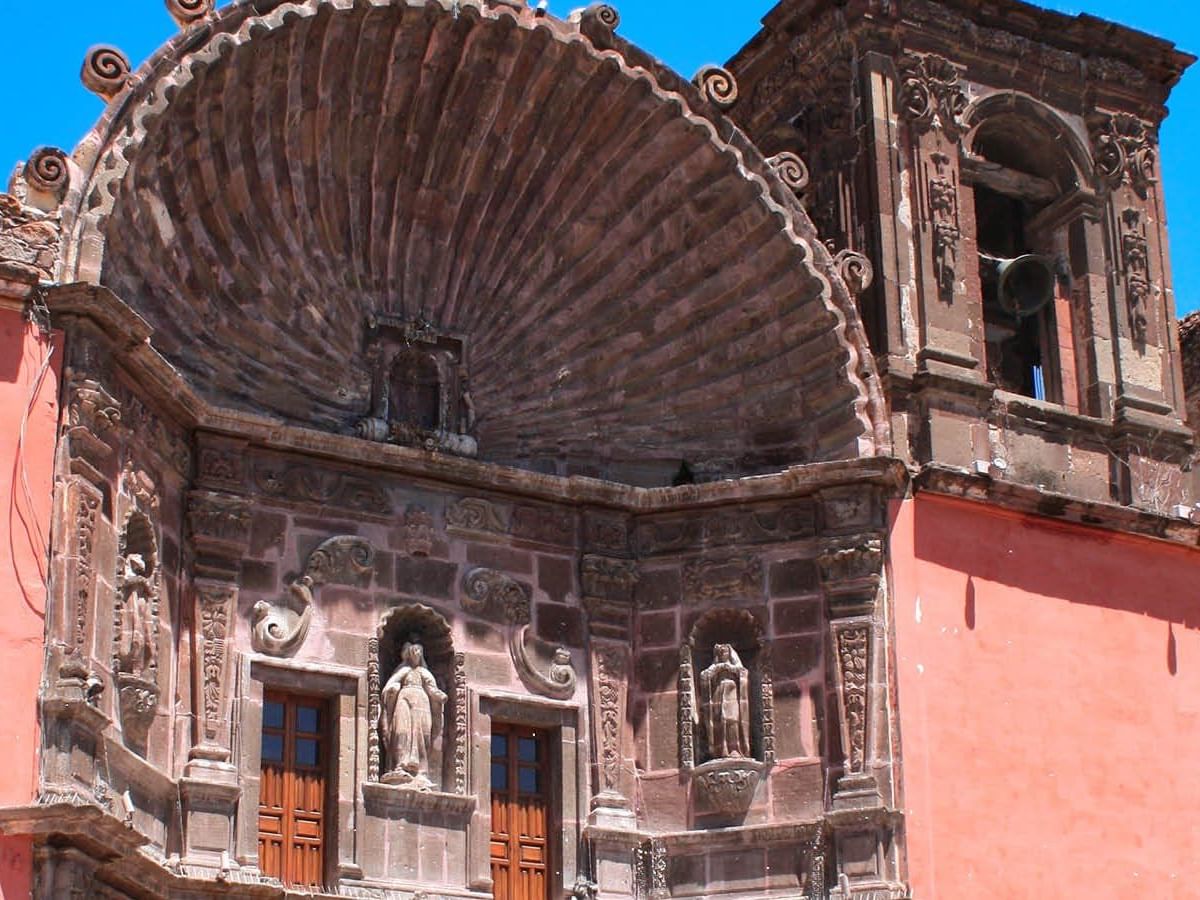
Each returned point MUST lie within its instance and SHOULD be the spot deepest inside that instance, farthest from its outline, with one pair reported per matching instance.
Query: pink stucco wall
(1049, 695)
(25, 467)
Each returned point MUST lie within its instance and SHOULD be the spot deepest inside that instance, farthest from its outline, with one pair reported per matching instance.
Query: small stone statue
(135, 643)
(725, 687)
(410, 719)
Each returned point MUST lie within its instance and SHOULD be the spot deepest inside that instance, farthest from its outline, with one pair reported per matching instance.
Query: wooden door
(292, 792)
(521, 848)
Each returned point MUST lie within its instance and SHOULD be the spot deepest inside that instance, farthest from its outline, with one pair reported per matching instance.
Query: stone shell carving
(280, 628)
(106, 71)
(559, 680)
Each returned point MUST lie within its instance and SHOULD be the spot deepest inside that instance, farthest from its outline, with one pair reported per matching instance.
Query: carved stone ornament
(687, 709)
(420, 395)
(214, 612)
(717, 86)
(93, 408)
(931, 94)
(608, 578)
(851, 648)
(721, 578)
(219, 522)
(610, 676)
(47, 171)
(1125, 150)
(138, 700)
(726, 786)
(307, 484)
(188, 12)
(1135, 268)
(476, 514)
(418, 530)
(558, 681)
(855, 269)
(841, 563)
(279, 629)
(106, 71)
(943, 214)
(410, 720)
(791, 170)
(489, 593)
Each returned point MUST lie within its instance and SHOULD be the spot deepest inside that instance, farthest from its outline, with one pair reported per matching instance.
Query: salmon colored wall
(1049, 694)
(24, 542)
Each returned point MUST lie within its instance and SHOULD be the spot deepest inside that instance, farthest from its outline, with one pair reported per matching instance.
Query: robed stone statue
(410, 719)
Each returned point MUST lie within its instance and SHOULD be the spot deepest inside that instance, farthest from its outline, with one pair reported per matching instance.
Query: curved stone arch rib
(1023, 106)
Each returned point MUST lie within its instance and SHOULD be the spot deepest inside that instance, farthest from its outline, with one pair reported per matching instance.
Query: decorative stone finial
(602, 14)
(791, 170)
(47, 171)
(855, 269)
(717, 86)
(105, 71)
(188, 12)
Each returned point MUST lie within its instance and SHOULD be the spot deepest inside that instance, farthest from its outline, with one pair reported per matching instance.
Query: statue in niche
(410, 719)
(135, 641)
(725, 693)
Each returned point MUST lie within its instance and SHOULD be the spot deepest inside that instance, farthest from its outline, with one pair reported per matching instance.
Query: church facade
(454, 456)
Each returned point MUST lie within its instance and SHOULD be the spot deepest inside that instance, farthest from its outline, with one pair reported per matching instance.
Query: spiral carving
(105, 71)
(187, 12)
(717, 86)
(791, 170)
(47, 171)
(855, 269)
(603, 14)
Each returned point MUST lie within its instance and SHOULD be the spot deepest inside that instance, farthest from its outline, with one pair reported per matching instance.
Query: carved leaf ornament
(931, 95)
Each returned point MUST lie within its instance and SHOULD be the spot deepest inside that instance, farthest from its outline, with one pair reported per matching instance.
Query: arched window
(1020, 172)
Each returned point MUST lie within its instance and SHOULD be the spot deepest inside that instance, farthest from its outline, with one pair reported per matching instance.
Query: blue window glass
(272, 714)
(527, 749)
(499, 777)
(529, 781)
(307, 752)
(308, 719)
(272, 748)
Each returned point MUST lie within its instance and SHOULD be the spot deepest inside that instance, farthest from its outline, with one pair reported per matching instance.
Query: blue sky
(44, 44)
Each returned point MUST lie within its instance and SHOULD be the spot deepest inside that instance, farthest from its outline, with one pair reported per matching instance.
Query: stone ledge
(387, 800)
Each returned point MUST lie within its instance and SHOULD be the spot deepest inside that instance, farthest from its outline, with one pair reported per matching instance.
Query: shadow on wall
(1054, 560)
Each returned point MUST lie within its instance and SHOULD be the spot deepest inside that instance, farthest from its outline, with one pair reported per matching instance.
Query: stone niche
(420, 396)
(726, 713)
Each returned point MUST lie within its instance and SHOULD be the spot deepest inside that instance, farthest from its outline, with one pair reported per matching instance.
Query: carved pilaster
(610, 676)
(373, 687)
(687, 709)
(1135, 271)
(852, 648)
(215, 605)
(461, 732)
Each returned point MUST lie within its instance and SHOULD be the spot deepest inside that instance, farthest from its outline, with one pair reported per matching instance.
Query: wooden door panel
(292, 790)
(520, 849)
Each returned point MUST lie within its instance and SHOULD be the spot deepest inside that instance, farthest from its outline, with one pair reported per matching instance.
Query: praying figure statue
(135, 643)
(410, 719)
(725, 695)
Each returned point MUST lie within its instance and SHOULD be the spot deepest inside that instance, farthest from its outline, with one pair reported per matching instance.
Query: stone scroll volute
(280, 628)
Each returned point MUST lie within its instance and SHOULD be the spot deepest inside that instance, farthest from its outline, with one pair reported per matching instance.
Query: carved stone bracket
(1125, 151)
(608, 586)
(394, 801)
(931, 94)
(726, 786)
(559, 680)
(853, 563)
(219, 524)
(92, 416)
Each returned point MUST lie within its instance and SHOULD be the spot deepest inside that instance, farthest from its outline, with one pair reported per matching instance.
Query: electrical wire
(24, 469)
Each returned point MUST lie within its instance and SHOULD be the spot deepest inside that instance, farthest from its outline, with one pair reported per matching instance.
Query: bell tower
(997, 164)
